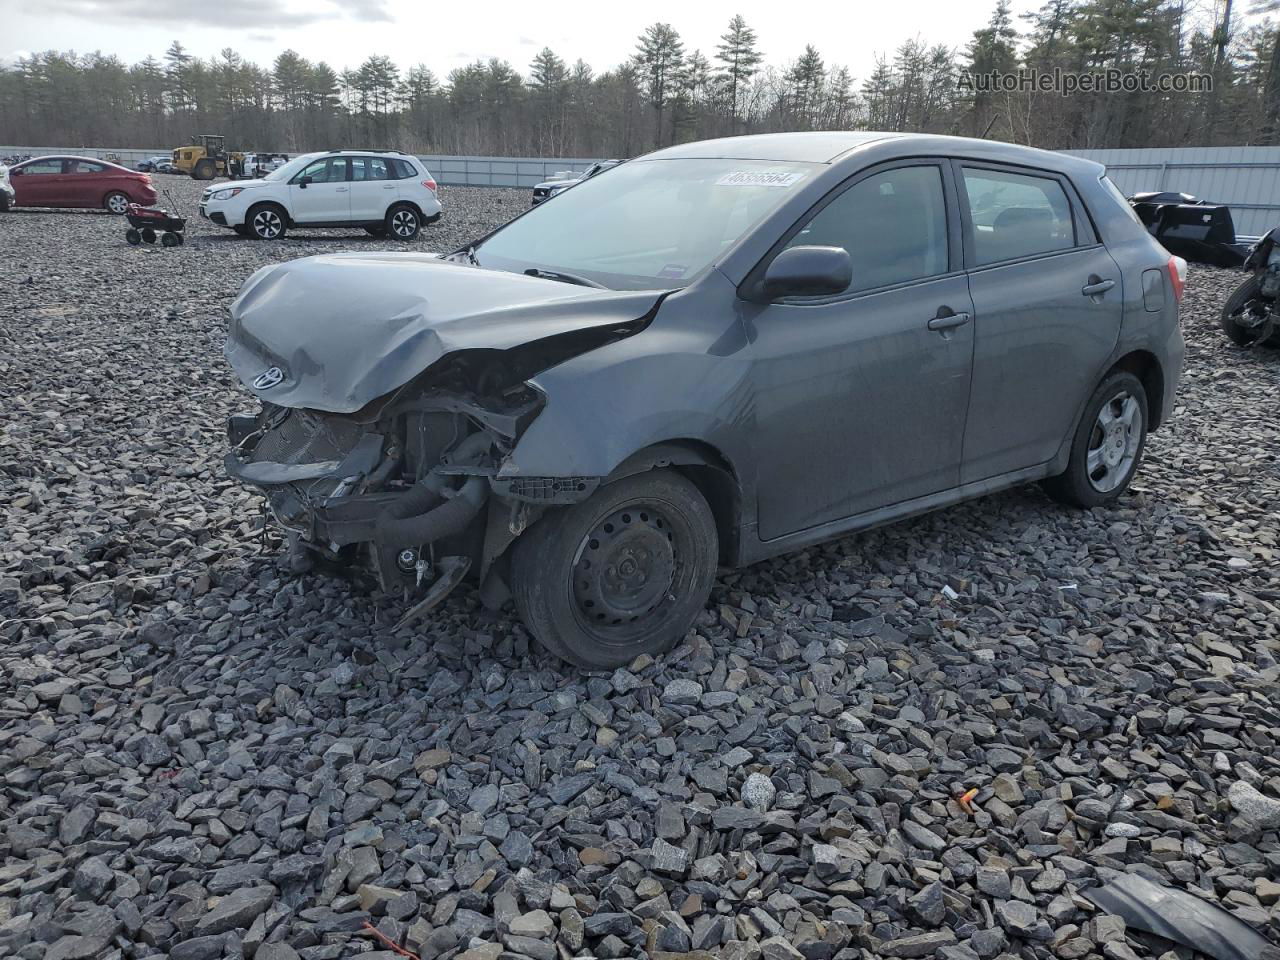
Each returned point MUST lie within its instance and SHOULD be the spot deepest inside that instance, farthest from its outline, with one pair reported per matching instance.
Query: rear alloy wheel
(267, 222)
(117, 203)
(623, 573)
(403, 223)
(1107, 447)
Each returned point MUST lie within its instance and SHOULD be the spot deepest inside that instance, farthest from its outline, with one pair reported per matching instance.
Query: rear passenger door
(373, 189)
(84, 183)
(1048, 305)
(325, 196)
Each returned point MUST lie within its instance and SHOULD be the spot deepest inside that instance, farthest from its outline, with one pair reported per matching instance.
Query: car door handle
(948, 321)
(1096, 287)
(341, 190)
(388, 186)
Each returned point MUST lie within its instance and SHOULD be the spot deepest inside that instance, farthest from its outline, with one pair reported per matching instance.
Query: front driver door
(35, 182)
(861, 397)
(326, 195)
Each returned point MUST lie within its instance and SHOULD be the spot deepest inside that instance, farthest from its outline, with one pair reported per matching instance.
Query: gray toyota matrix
(719, 352)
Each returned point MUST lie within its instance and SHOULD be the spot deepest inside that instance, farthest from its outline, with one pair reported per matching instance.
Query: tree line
(666, 93)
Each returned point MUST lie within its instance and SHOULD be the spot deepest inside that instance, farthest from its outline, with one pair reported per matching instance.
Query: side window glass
(42, 167)
(1016, 215)
(369, 168)
(318, 171)
(326, 170)
(893, 224)
(403, 169)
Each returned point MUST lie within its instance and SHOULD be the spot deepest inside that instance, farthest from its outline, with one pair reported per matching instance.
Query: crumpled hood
(344, 329)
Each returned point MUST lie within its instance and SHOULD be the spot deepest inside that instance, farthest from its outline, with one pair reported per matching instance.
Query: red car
(79, 182)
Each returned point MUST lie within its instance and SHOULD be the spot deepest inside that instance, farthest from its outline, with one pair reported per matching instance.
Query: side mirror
(303, 181)
(808, 272)
(15, 172)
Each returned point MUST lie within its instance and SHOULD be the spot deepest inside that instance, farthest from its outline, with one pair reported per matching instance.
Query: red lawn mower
(147, 224)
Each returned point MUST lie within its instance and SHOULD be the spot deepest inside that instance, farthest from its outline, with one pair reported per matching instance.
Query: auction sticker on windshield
(762, 178)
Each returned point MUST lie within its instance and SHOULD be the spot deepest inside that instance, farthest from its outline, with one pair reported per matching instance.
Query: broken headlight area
(404, 489)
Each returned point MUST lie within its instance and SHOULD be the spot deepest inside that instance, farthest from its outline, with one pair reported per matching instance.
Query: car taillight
(430, 185)
(1177, 276)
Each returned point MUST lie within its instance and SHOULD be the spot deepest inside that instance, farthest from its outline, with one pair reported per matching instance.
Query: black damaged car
(719, 352)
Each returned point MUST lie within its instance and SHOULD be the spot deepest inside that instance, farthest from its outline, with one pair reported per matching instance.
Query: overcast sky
(449, 34)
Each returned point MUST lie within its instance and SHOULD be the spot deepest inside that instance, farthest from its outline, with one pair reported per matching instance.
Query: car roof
(72, 156)
(834, 146)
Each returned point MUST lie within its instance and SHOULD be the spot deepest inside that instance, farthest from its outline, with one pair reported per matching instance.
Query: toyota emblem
(268, 378)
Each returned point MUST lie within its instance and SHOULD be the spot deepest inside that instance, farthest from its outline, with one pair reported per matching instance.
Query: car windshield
(649, 225)
(285, 171)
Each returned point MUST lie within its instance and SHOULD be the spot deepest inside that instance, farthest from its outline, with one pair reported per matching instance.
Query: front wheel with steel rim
(1108, 445)
(117, 203)
(403, 223)
(266, 222)
(623, 573)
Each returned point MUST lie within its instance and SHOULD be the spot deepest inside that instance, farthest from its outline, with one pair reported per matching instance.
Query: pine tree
(659, 57)
(739, 59)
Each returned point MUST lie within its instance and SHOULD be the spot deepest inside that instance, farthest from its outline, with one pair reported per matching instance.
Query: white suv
(386, 192)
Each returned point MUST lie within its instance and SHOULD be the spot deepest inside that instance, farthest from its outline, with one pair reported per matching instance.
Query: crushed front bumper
(382, 491)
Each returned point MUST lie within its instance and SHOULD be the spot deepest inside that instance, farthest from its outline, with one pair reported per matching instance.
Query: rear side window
(84, 166)
(404, 170)
(1016, 215)
(1119, 198)
(893, 225)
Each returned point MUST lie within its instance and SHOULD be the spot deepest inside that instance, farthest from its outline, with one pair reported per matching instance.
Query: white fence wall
(457, 171)
(500, 171)
(1247, 179)
(128, 155)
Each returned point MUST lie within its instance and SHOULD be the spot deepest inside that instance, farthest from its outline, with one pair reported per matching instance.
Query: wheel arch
(402, 202)
(1144, 365)
(248, 213)
(708, 469)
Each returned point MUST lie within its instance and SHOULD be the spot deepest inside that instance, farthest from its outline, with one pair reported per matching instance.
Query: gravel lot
(202, 759)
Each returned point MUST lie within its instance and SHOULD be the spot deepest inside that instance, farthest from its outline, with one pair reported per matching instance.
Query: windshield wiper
(563, 277)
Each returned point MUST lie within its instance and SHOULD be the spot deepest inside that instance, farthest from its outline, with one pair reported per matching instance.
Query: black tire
(148, 235)
(623, 573)
(1237, 332)
(267, 221)
(204, 170)
(116, 202)
(376, 231)
(403, 223)
(169, 239)
(133, 237)
(1104, 459)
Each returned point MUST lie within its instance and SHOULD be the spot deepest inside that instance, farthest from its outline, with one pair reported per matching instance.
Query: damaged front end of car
(405, 486)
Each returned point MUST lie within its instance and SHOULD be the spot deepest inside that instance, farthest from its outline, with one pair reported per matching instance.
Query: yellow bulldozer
(207, 157)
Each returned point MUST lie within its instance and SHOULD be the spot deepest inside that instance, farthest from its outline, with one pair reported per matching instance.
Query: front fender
(684, 377)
